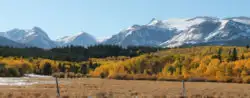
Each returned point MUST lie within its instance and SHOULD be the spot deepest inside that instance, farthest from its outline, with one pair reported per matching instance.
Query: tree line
(17, 67)
(76, 53)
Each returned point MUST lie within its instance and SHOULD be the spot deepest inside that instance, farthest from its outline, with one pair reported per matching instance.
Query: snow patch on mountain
(180, 24)
(80, 39)
(102, 39)
(182, 31)
(32, 37)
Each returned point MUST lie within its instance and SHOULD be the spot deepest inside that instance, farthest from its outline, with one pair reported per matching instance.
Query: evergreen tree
(84, 69)
(219, 54)
(47, 70)
(235, 57)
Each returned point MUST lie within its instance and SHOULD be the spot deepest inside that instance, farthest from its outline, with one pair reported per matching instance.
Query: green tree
(47, 70)
(219, 54)
(171, 69)
(13, 72)
(233, 56)
(84, 69)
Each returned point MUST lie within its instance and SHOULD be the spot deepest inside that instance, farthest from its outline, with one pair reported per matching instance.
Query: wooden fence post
(57, 88)
(183, 89)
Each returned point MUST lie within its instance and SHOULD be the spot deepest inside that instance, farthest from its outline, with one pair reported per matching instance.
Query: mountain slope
(80, 39)
(211, 31)
(6, 42)
(202, 30)
(33, 37)
(141, 35)
(186, 31)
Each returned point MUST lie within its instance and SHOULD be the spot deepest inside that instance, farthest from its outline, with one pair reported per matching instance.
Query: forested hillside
(204, 63)
(208, 63)
(76, 53)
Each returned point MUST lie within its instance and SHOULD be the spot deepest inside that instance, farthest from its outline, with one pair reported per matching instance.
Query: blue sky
(103, 18)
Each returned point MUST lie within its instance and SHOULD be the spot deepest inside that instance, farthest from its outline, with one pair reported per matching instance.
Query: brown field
(104, 88)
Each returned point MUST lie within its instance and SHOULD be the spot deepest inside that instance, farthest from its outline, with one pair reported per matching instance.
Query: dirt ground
(104, 88)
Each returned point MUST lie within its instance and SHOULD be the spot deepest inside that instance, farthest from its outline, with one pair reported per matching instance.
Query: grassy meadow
(106, 88)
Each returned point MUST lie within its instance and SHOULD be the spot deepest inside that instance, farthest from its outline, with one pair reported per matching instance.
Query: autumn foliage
(209, 63)
(204, 63)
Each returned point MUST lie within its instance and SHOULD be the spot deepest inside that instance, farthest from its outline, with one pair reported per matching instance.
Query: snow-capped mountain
(33, 37)
(100, 40)
(7, 42)
(178, 32)
(165, 33)
(212, 31)
(241, 19)
(151, 34)
(195, 31)
(38, 38)
(80, 39)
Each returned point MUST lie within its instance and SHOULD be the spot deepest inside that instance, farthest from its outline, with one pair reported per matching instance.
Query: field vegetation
(206, 63)
(105, 88)
(203, 63)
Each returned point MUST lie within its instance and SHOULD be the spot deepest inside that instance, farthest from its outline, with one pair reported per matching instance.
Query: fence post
(183, 89)
(57, 88)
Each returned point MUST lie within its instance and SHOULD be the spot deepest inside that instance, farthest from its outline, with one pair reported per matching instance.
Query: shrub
(71, 75)
(67, 75)
(237, 80)
(13, 72)
(55, 75)
(124, 76)
(144, 77)
(79, 75)
(211, 79)
(119, 76)
(103, 75)
(128, 77)
(2, 75)
(58, 75)
(246, 79)
(88, 75)
(197, 79)
(169, 78)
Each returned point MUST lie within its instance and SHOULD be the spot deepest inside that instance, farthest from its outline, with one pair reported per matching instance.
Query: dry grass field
(104, 88)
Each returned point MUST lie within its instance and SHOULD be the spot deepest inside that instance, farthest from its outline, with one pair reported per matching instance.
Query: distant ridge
(6, 42)
(200, 30)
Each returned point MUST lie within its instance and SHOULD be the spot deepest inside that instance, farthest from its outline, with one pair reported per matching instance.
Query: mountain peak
(204, 17)
(240, 19)
(38, 31)
(33, 37)
(79, 39)
(170, 32)
(36, 28)
(154, 21)
(81, 33)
